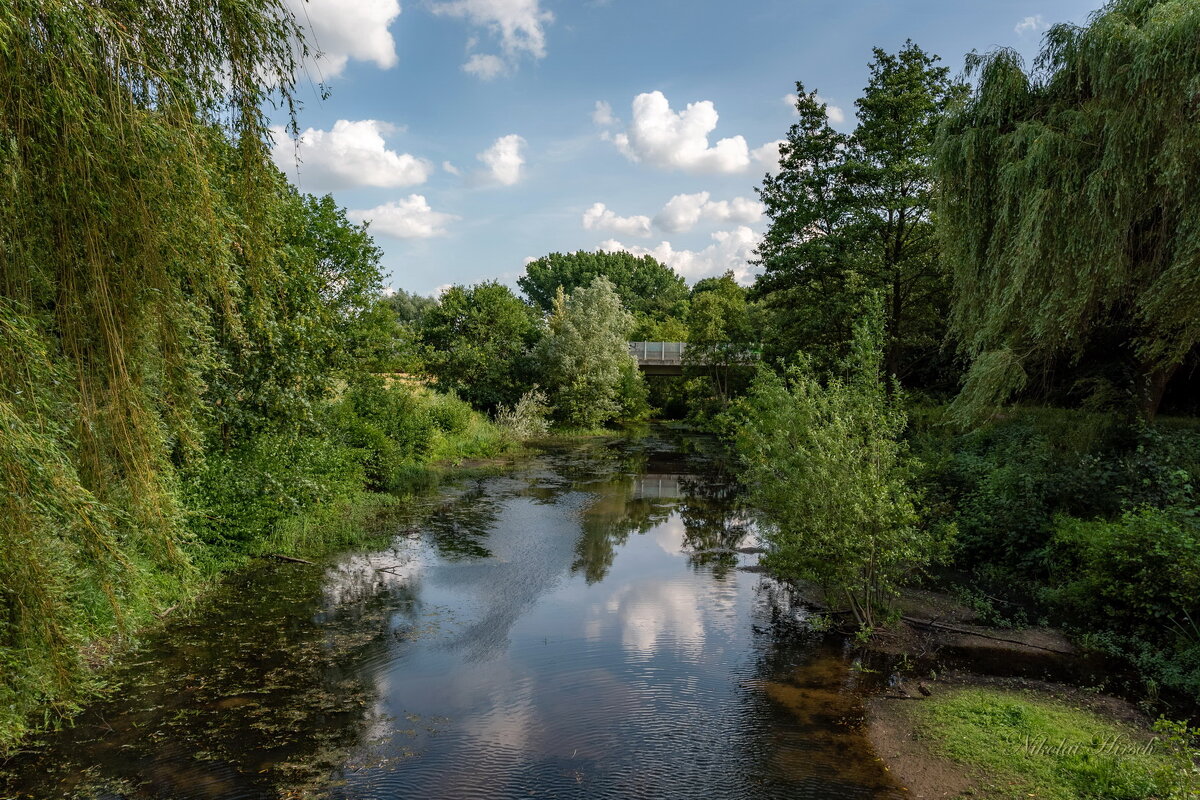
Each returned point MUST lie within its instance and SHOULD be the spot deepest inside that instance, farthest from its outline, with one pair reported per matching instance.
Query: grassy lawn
(1029, 746)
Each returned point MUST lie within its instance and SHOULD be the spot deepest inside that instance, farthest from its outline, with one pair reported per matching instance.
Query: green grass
(1028, 746)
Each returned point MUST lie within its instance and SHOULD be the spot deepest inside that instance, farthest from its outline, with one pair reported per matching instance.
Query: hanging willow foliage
(1070, 199)
(120, 249)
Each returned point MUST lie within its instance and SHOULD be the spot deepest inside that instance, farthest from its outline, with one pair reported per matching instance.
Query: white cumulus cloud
(519, 25)
(730, 250)
(664, 138)
(352, 154)
(835, 113)
(340, 30)
(1031, 25)
(768, 155)
(504, 159)
(683, 211)
(601, 218)
(410, 218)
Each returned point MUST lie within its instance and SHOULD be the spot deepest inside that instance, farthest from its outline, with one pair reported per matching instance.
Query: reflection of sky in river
(576, 627)
(528, 679)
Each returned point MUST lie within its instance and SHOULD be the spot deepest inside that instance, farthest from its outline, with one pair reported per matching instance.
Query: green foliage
(824, 465)
(408, 306)
(1138, 579)
(851, 217)
(137, 210)
(528, 418)
(308, 322)
(478, 341)
(589, 372)
(648, 290)
(239, 495)
(1066, 201)
(1141, 571)
(720, 340)
(1076, 518)
(1027, 745)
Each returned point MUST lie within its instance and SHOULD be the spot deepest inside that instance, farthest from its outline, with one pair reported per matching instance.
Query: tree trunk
(891, 358)
(1154, 386)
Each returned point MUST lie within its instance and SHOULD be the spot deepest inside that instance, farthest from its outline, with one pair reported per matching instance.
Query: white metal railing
(666, 353)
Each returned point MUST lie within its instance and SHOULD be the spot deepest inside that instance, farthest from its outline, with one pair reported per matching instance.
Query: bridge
(666, 358)
(659, 358)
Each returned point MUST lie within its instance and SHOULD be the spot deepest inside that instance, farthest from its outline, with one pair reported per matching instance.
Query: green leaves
(825, 467)
(1067, 201)
(851, 215)
(478, 341)
(585, 358)
(646, 287)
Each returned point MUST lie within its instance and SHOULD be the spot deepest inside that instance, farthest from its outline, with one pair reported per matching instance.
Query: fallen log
(941, 626)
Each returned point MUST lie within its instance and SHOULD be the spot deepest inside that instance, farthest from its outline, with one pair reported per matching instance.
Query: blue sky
(476, 134)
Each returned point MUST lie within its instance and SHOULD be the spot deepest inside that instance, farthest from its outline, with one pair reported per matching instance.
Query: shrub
(451, 415)
(528, 418)
(1141, 570)
(824, 464)
(239, 495)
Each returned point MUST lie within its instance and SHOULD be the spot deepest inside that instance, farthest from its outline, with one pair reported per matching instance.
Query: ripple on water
(550, 633)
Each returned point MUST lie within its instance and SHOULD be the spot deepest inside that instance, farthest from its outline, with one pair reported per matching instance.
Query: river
(572, 627)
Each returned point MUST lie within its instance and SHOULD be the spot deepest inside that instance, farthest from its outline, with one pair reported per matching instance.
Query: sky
(476, 135)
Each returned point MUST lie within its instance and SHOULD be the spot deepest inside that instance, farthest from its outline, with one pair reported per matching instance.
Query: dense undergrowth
(1079, 520)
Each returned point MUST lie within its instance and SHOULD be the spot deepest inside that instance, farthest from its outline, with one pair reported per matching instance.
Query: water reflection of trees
(706, 502)
(805, 705)
(459, 525)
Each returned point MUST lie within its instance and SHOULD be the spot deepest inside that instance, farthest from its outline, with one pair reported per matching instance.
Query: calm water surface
(561, 630)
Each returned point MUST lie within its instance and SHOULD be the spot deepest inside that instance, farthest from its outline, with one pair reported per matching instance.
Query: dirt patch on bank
(922, 773)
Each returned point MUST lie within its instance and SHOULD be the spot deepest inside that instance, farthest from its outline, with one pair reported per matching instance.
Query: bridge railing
(670, 354)
(658, 353)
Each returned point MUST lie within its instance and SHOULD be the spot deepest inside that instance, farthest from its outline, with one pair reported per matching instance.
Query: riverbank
(991, 737)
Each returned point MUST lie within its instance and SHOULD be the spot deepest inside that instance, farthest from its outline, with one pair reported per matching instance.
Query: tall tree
(408, 306)
(1069, 200)
(851, 215)
(478, 341)
(122, 242)
(585, 356)
(719, 334)
(806, 253)
(646, 287)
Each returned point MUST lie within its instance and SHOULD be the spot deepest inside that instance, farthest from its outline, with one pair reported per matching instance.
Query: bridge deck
(658, 354)
(666, 358)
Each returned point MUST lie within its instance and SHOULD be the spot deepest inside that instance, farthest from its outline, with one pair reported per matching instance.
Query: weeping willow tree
(1070, 201)
(123, 254)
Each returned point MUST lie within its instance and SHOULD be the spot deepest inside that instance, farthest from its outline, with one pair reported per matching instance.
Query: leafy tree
(408, 306)
(121, 238)
(589, 371)
(1068, 201)
(851, 216)
(647, 288)
(478, 341)
(310, 321)
(824, 463)
(720, 334)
